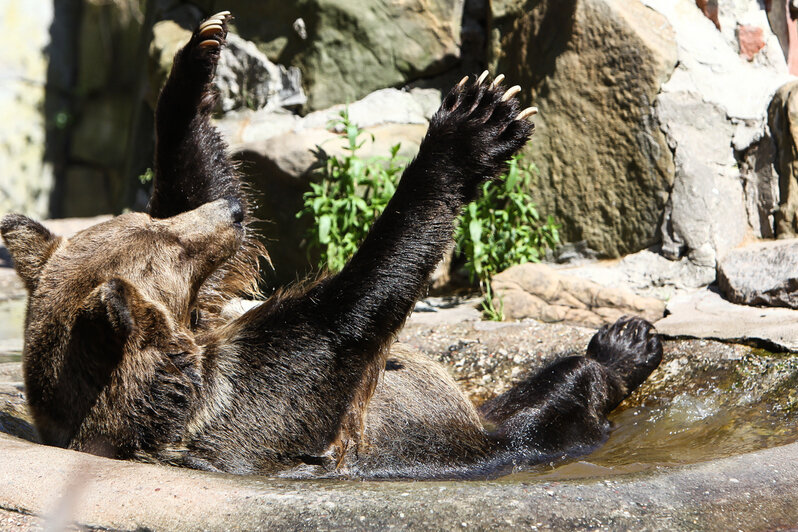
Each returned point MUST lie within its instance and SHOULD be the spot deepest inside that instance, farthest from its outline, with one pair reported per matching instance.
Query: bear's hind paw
(630, 348)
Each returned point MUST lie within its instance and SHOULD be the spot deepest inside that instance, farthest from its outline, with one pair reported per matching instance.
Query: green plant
(503, 228)
(500, 229)
(349, 196)
(147, 176)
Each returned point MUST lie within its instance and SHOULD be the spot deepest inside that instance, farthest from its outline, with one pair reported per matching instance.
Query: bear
(128, 353)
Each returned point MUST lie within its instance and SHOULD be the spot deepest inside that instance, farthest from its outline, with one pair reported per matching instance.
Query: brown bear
(128, 354)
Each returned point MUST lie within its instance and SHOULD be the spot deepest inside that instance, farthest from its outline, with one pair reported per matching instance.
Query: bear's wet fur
(127, 353)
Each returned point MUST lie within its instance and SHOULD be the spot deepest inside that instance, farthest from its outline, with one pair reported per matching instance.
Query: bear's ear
(110, 307)
(30, 245)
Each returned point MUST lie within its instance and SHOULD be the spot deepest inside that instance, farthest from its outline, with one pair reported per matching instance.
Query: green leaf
(325, 223)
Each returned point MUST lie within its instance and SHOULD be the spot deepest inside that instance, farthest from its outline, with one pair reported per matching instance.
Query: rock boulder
(761, 274)
(349, 48)
(594, 68)
(542, 293)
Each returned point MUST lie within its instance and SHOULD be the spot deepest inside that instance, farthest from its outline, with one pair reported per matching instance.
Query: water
(734, 408)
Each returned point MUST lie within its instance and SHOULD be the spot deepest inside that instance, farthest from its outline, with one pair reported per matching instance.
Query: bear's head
(110, 302)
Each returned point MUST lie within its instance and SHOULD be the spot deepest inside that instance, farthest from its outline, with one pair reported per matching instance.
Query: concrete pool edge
(750, 491)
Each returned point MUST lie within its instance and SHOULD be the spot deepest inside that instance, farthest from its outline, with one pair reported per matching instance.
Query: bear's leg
(191, 164)
(562, 410)
(326, 344)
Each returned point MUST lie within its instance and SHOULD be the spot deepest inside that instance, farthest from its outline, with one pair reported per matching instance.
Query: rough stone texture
(27, 180)
(755, 491)
(706, 314)
(349, 48)
(540, 292)
(100, 135)
(646, 273)
(594, 68)
(764, 273)
(706, 214)
(712, 110)
(277, 155)
(107, 44)
(783, 119)
(245, 78)
(760, 185)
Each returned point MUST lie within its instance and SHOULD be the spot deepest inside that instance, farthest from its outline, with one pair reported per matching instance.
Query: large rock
(349, 48)
(706, 314)
(27, 180)
(646, 273)
(594, 68)
(706, 214)
(245, 78)
(764, 273)
(108, 45)
(783, 118)
(712, 110)
(540, 292)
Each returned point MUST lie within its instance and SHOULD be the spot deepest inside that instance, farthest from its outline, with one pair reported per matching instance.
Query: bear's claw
(526, 113)
(213, 30)
(512, 91)
(497, 81)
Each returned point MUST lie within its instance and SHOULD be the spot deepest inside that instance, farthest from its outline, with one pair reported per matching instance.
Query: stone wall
(652, 130)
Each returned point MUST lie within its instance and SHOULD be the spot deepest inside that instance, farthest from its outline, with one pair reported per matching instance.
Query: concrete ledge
(753, 491)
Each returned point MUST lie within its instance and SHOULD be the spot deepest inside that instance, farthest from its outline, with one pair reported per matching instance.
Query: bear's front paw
(201, 54)
(630, 347)
(478, 127)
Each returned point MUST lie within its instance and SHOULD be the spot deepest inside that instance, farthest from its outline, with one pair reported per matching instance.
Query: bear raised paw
(127, 353)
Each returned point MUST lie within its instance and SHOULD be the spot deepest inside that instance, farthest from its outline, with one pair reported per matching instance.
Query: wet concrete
(753, 491)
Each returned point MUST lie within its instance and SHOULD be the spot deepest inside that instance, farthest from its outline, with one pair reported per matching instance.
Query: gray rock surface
(764, 273)
(594, 68)
(540, 292)
(783, 120)
(646, 273)
(705, 216)
(713, 111)
(246, 78)
(349, 48)
(706, 314)
(755, 491)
